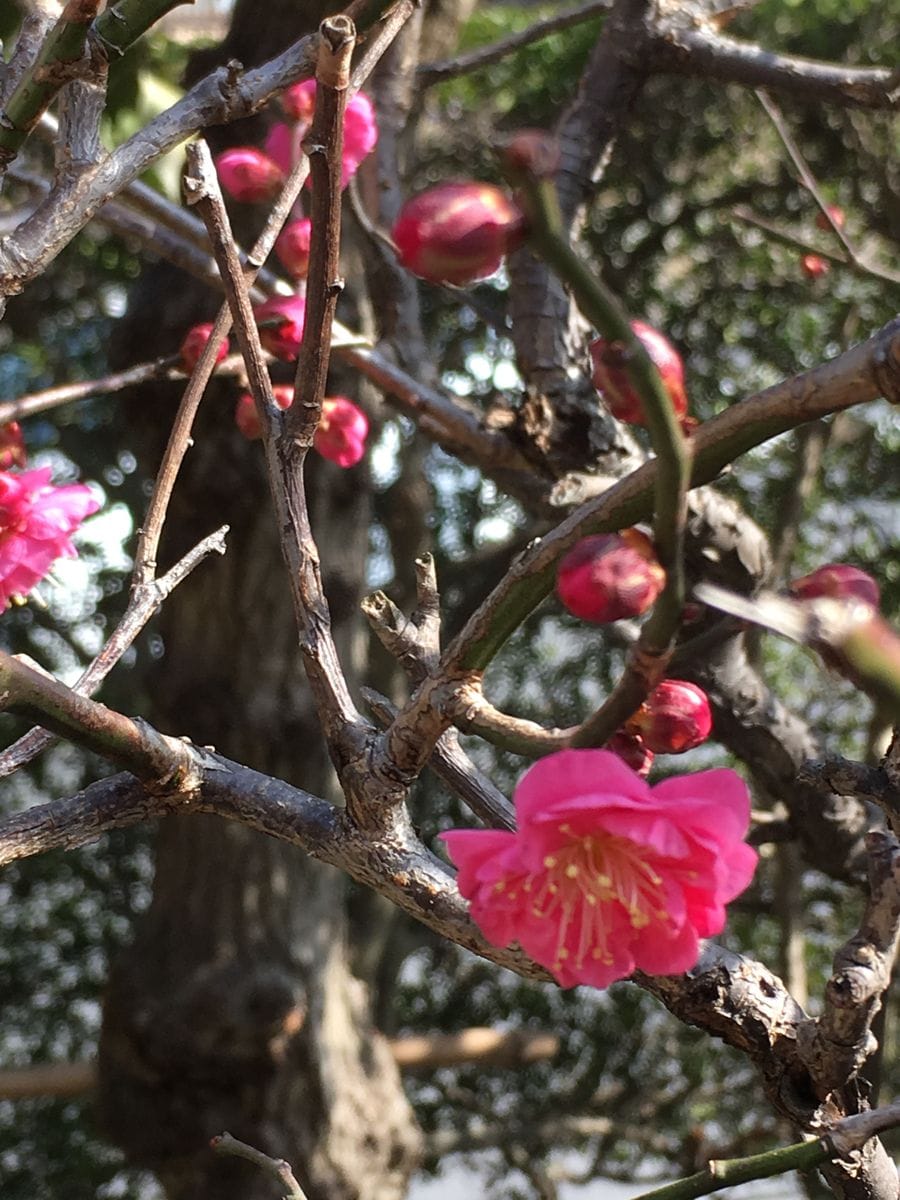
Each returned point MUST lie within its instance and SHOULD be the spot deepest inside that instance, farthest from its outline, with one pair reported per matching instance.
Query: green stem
(673, 458)
(63, 47)
(123, 23)
(730, 1171)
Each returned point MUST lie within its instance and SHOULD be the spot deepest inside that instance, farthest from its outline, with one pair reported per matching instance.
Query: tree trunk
(235, 1008)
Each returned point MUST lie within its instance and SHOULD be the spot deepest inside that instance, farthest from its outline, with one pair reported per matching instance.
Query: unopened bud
(814, 267)
(195, 343)
(632, 751)
(249, 175)
(609, 576)
(533, 153)
(675, 717)
(299, 100)
(342, 431)
(840, 581)
(247, 418)
(837, 214)
(611, 379)
(457, 232)
(280, 322)
(292, 247)
(12, 446)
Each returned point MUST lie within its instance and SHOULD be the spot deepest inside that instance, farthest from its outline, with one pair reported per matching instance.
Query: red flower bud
(610, 576)
(342, 431)
(841, 581)
(292, 247)
(249, 175)
(280, 322)
(532, 152)
(631, 749)
(299, 100)
(457, 232)
(814, 267)
(675, 717)
(837, 215)
(195, 343)
(12, 446)
(610, 374)
(247, 418)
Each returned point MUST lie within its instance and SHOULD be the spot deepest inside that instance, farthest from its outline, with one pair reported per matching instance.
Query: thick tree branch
(701, 50)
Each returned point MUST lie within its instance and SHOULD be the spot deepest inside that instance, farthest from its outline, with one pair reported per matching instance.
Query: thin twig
(452, 765)
(323, 286)
(341, 722)
(133, 744)
(428, 74)
(809, 181)
(278, 1168)
(144, 601)
(180, 437)
(61, 55)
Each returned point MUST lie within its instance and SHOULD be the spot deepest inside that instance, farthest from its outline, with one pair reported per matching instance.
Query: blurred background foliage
(631, 1094)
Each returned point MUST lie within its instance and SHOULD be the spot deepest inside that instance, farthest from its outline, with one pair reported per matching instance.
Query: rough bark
(235, 1007)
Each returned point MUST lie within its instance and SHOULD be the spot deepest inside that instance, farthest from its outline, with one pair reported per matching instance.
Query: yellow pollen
(571, 871)
(563, 954)
(549, 862)
(591, 898)
(499, 885)
(604, 881)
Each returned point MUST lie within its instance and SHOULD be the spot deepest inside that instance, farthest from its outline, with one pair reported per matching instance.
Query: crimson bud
(195, 343)
(457, 232)
(292, 247)
(675, 717)
(814, 267)
(341, 432)
(280, 321)
(12, 446)
(837, 214)
(610, 375)
(841, 581)
(609, 576)
(247, 418)
(249, 175)
(631, 749)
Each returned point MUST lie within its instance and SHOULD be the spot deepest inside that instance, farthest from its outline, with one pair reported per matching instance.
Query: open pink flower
(342, 431)
(37, 521)
(606, 875)
(360, 129)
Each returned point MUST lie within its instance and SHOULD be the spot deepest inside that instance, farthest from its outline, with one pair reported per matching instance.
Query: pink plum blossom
(37, 521)
(606, 875)
(360, 129)
(342, 430)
